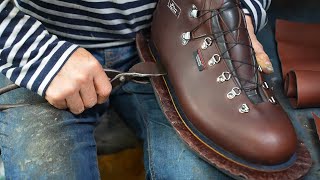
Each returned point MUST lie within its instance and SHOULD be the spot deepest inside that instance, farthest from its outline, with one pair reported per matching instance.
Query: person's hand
(262, 58)
(80, 84)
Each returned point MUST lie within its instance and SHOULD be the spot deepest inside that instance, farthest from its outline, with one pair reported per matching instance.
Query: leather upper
(251, 128)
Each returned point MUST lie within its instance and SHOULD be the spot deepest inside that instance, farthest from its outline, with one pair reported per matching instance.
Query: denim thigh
(166, 156)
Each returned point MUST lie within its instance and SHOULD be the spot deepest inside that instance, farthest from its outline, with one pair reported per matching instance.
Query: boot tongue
(234, 46)
(242, 61)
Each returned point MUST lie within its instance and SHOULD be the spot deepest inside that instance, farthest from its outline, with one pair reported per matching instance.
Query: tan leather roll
(303, 88)
(298, 48)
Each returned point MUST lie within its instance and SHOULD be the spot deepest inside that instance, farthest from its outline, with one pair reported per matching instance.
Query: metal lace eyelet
(265, 85)
(215, 59)
(272, 100)
(185, 37)
(194, 11)
(244, 108)
(206, 43)
(233, 93)
(260, 68)
(225, 76)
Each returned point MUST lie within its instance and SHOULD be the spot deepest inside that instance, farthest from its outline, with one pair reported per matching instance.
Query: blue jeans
(39, 141)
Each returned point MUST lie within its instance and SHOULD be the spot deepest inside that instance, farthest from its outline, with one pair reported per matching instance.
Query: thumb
(264, 62)
(261, 56)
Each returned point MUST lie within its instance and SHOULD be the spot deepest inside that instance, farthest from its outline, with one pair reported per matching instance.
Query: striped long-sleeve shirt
(38, 36)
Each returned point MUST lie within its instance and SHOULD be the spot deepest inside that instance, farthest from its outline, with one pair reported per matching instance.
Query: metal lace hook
(225, 76)
(234, 92)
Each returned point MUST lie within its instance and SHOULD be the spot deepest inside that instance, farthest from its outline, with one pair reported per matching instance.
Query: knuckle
(82, 78)
(57, 103)
(93, 63)
(61, 94)
(68, 91)
(54, 98)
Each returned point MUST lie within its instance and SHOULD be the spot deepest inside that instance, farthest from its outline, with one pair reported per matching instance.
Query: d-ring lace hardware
(272, 100)
(205, 16)
(225, 76)
(234, 92)
(244, 108)
(206, 43)
(265, 85)
(185, 38)
(215, 59)
(194, 11)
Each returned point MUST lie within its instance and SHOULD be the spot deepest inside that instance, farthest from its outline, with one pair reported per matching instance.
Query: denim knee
(41, 141)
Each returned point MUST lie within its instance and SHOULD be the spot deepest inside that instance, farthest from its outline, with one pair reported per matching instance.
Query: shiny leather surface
(266, 128)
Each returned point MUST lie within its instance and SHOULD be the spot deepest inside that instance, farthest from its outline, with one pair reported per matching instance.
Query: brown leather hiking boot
(214, 95)
(216, 83)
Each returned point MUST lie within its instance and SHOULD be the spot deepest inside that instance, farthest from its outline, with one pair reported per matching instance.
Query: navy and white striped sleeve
(29, 55)
(257, 10)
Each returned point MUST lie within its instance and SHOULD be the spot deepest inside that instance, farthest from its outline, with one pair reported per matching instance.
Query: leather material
(234, 169)
(147, 68)
(229, 50)
(317, 123)
(303, 88)
(298, 48)
(266, 127)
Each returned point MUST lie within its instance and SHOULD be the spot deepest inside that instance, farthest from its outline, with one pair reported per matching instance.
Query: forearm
(257, 10)
(30, 55)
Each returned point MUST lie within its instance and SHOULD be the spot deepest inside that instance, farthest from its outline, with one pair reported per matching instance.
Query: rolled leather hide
(303, 88)
(298, 48)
